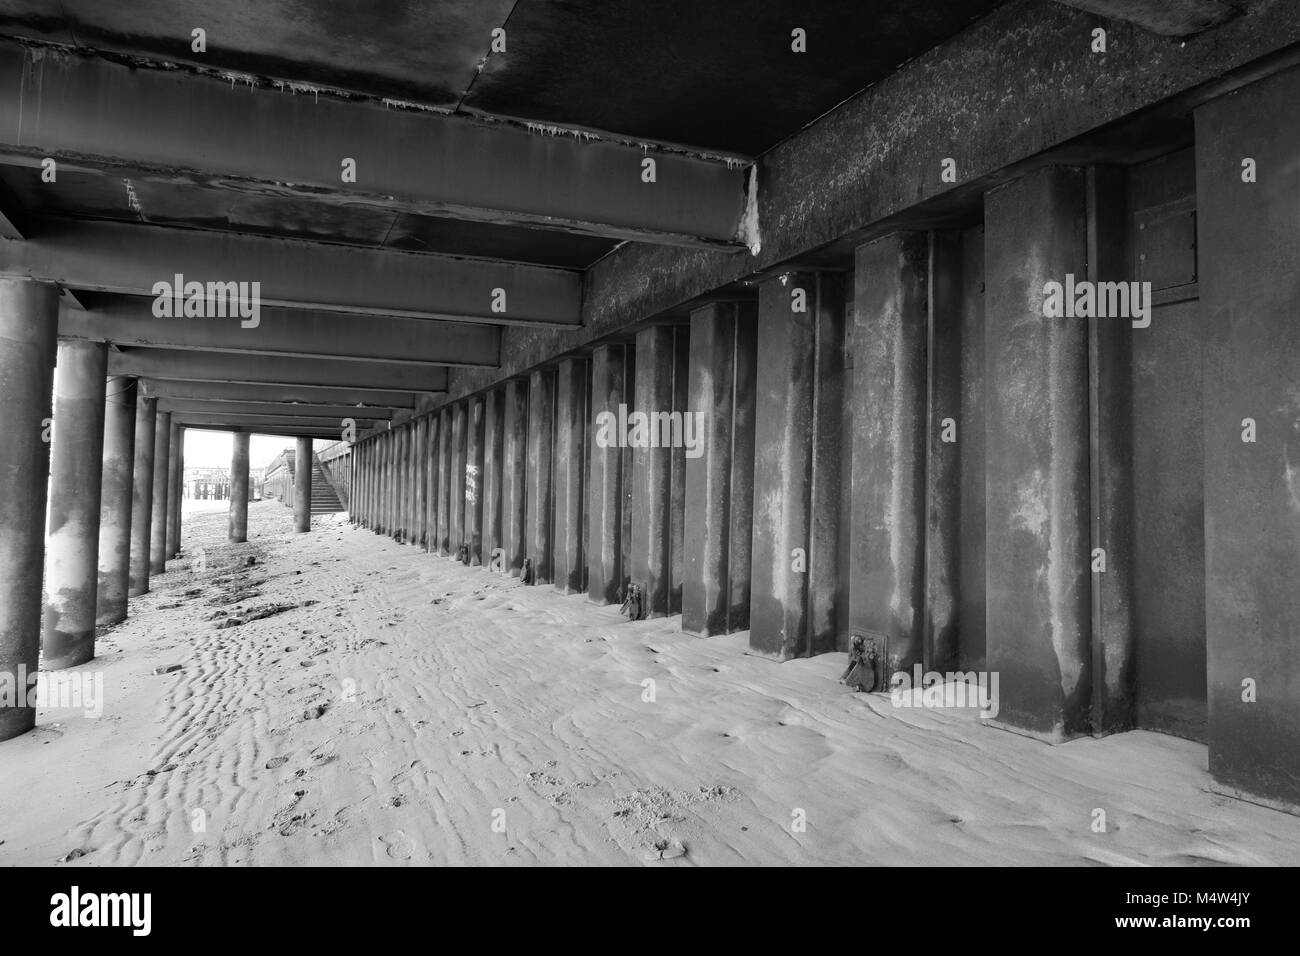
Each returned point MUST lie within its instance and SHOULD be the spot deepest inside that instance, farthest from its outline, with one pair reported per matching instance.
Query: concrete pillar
(368, 483)
(353, 489)
(456, 520)
(175, 486)
(445, 495)
(29, 319)
(651, 552)
(720, 403)
(743, 411)
(146, 421)
(887, 524)
(419, 468)
(493, 446)
(115, 500)
(708, 473)
(158, 514)
(677, 474)
(514, 481)
(302, 486)
(1039, 592)
(392, 445)
(1112, 468)
(571, 417)
(385, 523)
(72, 538)
(951, 294)
(798, 414)
(1249, 233)
(361, 451)
(611, 475)
(399, 483)
(409, 532)
(239, 444)
(541, 491)
(474, 430)
(432, 487)
(376, 450)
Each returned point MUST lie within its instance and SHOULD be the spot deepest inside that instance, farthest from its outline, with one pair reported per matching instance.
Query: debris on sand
(664, 850)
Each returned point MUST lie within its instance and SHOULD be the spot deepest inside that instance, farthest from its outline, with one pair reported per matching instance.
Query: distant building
(213, 484)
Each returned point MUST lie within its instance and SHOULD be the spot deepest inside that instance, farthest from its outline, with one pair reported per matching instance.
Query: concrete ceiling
(478, 170)
(716, 75)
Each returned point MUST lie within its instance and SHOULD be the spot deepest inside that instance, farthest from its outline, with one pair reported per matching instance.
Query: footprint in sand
(397, 845)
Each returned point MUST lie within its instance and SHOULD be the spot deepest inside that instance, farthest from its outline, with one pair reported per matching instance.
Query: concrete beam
(285, 431)
(282, 394)
(175, 125)
(945, 103)
(299, 332)
(1171, 18)
(338, 412)
(130, 259)
(192, 366)
(268, 424)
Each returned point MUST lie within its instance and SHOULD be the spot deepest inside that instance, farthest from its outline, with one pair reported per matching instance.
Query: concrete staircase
(324, 500)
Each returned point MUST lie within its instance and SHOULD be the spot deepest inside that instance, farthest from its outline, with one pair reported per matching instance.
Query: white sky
(208, 449)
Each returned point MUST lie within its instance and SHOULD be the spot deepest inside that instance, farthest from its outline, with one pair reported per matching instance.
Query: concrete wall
(1066, 438)
(1249, 237)
(1168, 528)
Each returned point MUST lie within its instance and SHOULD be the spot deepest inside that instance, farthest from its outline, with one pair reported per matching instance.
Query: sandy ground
(407, 709)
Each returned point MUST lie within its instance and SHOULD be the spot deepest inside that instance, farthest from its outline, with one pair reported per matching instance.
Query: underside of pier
(959, 337)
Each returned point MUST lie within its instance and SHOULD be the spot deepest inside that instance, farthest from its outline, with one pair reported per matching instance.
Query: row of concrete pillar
(106, 463)
(821, 500)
